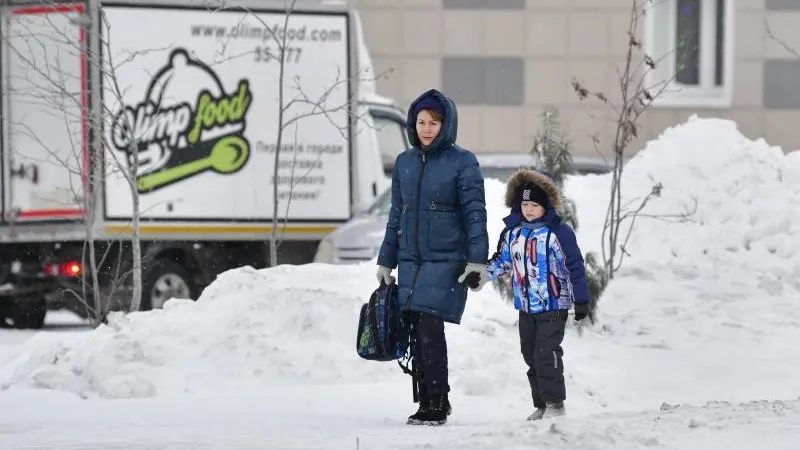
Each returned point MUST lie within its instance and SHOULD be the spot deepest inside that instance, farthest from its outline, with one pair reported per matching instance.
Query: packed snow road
(316, 418)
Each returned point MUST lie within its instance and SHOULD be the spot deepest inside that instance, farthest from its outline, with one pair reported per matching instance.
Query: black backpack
(383, 332)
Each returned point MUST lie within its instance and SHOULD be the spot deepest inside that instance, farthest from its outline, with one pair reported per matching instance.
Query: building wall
(503, 61)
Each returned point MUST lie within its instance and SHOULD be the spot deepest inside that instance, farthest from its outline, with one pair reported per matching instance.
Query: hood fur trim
(523, 176)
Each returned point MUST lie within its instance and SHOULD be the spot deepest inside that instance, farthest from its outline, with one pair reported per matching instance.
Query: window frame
(660, 34)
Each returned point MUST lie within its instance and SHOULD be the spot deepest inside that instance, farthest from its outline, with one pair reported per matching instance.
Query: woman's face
(427, 127)
(532, 210)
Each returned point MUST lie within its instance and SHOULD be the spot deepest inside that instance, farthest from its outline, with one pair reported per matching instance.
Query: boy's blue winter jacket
(542, 257)
(437, 221)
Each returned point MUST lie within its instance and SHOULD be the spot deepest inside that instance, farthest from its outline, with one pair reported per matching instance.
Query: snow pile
(685, 299)
(249, 326)
(700, 292)
(291, 324)
(726, 202)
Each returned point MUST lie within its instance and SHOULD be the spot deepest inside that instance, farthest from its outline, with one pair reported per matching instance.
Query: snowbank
(291, 324)
(739, 199)
(294, 324)
(685, 299)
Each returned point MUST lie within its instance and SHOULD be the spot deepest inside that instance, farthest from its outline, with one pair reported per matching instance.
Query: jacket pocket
(555, 285)
(402, 233)
(560, 290)
(443, 233)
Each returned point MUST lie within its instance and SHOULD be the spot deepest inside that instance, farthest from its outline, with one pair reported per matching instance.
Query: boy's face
(532, 210)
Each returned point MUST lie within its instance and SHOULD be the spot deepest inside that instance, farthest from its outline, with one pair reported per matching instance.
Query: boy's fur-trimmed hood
(523, 176)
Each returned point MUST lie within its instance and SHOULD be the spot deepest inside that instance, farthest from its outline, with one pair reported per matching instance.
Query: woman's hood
(447, 136)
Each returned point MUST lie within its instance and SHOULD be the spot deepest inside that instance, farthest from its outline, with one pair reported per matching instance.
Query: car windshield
(391, 140)
(587, 170)
(497, 173)
(382, 204)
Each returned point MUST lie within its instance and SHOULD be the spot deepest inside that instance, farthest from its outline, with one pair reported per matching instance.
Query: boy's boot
(537, 415)
(554, 409)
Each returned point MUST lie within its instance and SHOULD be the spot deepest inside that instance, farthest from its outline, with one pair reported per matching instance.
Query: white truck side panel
(358, 168)
(201, 88)
(44, 113)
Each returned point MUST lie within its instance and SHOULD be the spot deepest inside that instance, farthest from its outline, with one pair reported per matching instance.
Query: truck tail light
(64, 269)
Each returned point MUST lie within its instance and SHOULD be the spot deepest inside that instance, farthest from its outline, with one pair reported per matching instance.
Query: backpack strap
(409, 368)
(547, 266)
(499, 249)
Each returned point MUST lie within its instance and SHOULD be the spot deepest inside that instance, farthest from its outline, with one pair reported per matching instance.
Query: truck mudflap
(26, 290)
(24, 279)
(24, 305)
(11, 290)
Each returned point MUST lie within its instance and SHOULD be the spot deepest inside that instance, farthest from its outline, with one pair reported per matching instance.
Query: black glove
(475, 276)
(473, 280)
(581, 311)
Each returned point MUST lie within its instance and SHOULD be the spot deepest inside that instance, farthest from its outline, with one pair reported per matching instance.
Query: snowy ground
(695, 346)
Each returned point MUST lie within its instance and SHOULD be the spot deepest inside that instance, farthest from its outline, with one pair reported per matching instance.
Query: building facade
(504, 61)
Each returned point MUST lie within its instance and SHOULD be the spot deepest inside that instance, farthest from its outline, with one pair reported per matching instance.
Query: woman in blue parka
(436, 238)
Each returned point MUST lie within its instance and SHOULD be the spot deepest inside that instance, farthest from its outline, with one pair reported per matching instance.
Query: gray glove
(475, 275)
(384, 274)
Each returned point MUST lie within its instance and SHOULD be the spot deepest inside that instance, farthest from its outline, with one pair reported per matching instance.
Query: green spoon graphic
(228, 155)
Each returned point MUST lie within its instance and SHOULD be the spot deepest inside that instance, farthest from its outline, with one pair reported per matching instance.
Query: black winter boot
(417, 417)
(436, 414)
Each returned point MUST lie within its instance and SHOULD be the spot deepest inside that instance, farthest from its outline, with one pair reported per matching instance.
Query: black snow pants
(430, 354)
(540, 337)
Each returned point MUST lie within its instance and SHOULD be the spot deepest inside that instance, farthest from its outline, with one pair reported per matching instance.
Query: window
(382, 204)
(691, 42)
(498, 173)
(391, 140)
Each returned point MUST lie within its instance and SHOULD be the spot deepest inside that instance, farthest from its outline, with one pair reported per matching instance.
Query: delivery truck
(176, 105)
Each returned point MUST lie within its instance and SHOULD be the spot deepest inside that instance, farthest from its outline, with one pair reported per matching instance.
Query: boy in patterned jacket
(542, 256)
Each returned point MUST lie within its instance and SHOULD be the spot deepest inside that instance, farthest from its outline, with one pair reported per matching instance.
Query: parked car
(359, 239)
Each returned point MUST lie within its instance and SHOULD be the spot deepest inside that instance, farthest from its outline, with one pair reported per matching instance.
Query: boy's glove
(581, 311)
(384, 275)
(475, 276)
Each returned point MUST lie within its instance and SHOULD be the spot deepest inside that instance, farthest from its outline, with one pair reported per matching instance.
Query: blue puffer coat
(437, 222)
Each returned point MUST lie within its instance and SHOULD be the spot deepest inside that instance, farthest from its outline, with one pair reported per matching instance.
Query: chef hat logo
(181, 80)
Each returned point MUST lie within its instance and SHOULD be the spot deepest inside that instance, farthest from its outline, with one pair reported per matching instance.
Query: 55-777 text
(267, 54)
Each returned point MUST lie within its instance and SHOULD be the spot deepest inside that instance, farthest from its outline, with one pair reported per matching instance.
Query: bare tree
(297, 97)
(52, 93)
(129, 168)
(48, 86)
(635, 96)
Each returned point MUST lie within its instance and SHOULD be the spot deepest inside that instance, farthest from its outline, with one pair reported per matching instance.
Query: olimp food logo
(186, 125)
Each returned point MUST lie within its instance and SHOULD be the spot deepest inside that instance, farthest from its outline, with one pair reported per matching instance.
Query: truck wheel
(163, 280)
(29, 313)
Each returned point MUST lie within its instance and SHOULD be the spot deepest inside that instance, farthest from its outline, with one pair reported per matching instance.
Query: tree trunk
(273, 245)
(136, 297)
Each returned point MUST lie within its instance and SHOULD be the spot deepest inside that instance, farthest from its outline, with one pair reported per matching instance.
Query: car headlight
(324, 252)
